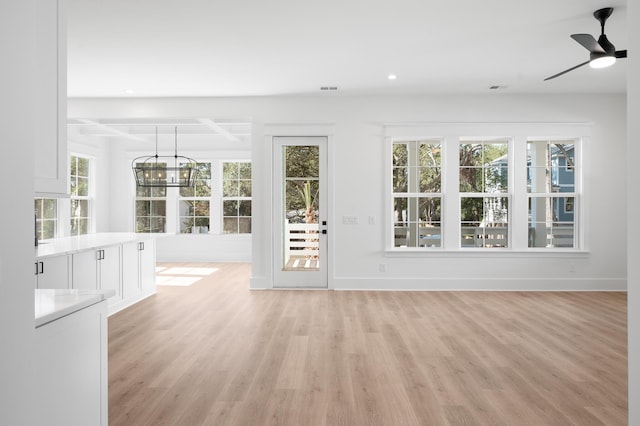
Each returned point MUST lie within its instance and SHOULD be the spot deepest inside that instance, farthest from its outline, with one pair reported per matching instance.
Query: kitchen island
(121, 262)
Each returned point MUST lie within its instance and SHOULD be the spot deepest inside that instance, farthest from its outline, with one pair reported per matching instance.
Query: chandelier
(164, 171)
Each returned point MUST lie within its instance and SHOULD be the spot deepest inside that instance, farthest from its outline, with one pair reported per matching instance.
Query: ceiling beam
(111, 130)
(219, 130)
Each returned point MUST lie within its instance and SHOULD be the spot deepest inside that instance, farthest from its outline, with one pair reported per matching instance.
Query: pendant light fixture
(164, 171)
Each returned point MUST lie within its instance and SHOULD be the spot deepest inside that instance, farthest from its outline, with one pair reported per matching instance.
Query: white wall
(17, 104)
(357, 160)
(633, 196)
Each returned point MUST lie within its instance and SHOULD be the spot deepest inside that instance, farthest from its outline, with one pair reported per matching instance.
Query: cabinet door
(109, 272)
(85, 270)
(130, 270)
(148, 265)
(53, 272)
(51, 174)
(70, 359)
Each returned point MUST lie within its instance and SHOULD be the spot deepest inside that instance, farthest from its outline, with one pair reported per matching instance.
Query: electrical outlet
(350, 220)
(382, 267)
(372, 220)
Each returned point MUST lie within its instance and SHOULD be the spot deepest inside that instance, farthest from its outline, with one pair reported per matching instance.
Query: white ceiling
(277, 47)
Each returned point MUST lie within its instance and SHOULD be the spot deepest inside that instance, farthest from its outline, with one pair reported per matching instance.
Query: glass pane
(301, 161)
(186, 225)
(230, 208)
(484, 221)
(400, 155)
(83, 167)
(471, 179)
(158, 208)
(230, 188)
(244, 170)
(400, 210)
(471, 155)
(230, 225)
(143, 208)
(187, 191)
(83, 187)
(157, 224)
(50, 208)
(230, 171)
(551, 222)
(430, 155)
(496, 178)
(143, 224)
(301, 207)
(429, 210)
(430, 179)
(245, 188)
(400, 179)
(244, 208)
(201, 208)
(244, 225)
(48, 229)
(203, 224)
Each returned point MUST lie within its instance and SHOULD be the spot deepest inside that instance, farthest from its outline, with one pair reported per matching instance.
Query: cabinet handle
(41, 268)
(100, 255)
(37, 271)
(141, 245)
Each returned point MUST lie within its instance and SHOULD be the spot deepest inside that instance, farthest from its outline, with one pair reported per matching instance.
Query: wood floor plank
(216, 353)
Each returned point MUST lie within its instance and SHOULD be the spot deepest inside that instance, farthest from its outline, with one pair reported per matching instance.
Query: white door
(300, 212)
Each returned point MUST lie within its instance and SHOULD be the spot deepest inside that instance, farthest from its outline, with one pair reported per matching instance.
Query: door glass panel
(301, 187)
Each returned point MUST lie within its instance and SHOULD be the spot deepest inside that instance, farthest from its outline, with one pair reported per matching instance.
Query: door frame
(271, 131)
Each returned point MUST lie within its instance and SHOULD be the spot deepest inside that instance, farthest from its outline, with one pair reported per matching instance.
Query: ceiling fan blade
(588, 42)
(621, 53)
(566, 71)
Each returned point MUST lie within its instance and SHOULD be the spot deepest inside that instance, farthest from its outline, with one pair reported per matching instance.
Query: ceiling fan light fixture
(602, 61)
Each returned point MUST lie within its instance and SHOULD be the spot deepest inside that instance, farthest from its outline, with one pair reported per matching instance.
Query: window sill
(491, 253)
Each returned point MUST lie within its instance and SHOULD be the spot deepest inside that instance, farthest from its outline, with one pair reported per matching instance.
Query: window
(484, 196)
(551, 189)
(151, 209)
(195, 203)
(46, 210)
(236, 197)
(80, 191)
(417, 196)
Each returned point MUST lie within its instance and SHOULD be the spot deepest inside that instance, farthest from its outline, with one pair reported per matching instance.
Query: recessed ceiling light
(392, 76)
(128, 91)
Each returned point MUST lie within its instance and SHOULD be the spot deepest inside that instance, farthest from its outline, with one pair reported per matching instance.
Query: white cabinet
(130, 270)
(138, 269)
(51, 171)
(147, 265)
(98, 270)
(71, 367)
(53, 272)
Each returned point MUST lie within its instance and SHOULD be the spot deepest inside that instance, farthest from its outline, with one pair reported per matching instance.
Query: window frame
(88, 198)
(238, 199)
(416, 195)
(195, 199)
(519, 133)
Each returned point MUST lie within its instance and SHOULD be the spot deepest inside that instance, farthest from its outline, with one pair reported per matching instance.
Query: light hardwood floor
(215, 353)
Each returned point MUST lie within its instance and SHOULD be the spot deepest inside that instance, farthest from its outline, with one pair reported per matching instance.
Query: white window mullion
(518, 189)
(451, 193)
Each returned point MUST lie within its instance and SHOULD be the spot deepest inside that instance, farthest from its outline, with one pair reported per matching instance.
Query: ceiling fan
(602, 53)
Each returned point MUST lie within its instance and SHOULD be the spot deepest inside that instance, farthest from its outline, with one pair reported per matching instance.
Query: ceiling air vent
(329, 88)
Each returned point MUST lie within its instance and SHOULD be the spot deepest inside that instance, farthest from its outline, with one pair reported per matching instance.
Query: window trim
(519, 133)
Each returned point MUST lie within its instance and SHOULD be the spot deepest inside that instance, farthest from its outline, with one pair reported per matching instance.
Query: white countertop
(68, 245)
(51, 304)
